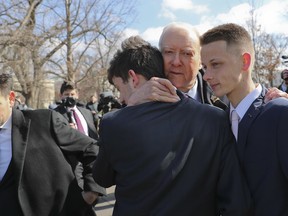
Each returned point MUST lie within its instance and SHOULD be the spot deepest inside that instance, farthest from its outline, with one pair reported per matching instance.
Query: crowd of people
(193, 134)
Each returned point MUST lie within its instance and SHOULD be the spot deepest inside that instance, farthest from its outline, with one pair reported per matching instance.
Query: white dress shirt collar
(244, 105)
(284, 87)
(193, 93)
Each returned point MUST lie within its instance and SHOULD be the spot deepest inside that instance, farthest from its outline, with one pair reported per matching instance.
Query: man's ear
(246, 61)
(12, 97)
(134, 78)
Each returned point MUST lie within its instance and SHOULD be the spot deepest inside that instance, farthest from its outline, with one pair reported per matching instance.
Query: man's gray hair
(193, 32)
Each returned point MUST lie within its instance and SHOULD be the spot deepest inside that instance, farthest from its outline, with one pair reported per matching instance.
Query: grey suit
(92, 132)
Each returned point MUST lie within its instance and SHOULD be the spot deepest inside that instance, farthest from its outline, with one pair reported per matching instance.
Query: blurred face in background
(70, 93)
(94, 99)
(285, 76)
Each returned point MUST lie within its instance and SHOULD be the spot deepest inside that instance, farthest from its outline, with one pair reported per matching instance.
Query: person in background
(80, 119)
(284, 84)
(92, 105)
(35, 177)
(20, 103)
(180, 46)
(107, 103)
(158, 154)
(260, 127)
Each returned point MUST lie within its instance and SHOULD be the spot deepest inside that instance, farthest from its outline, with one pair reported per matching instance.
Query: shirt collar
(284, 86)
(244, 105)
(7, 124)
(193, 93)
(72, 108)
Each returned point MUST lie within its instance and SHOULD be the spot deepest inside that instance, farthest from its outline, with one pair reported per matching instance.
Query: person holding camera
(78, 118)
(284, 84)
(107, 102)
(92, 106)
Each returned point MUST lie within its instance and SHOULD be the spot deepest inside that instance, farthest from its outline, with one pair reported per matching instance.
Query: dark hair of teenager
(138, 55)
(67, 86)
(6, 84)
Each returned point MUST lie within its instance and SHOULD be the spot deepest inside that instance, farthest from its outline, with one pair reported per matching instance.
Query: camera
(68, 102)
(107, 102)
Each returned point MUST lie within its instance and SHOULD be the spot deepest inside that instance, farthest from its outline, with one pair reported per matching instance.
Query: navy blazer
(263, 152)
(171, 159)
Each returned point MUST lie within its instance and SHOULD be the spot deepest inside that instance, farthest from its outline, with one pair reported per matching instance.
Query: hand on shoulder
(274, 93)
(156, 89)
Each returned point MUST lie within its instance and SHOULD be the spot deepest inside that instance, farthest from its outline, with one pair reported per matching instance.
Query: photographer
(107, 102)
(284, 84)
(79, 118)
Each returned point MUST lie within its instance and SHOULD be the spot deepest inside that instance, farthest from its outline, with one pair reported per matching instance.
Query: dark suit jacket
(263, 152)
(92, 132)
(45, 181)
(170, 159)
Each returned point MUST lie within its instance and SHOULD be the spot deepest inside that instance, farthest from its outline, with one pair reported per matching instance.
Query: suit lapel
(20, 131)
(62, 110)
(247, 121)
(200, 89)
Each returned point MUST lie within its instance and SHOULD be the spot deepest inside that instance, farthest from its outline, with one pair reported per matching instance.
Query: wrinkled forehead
(177, 37)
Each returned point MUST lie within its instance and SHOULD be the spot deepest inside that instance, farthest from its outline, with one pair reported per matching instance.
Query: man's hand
(156, 89)
(73, 125)
(89, 196)
(274, 93)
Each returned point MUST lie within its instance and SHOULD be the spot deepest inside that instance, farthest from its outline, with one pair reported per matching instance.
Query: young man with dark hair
(158, 155)
(78, 118)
